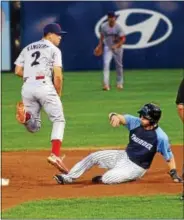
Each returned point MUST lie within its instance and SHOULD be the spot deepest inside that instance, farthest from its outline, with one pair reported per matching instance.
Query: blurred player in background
(110, 44)
(40, 65)
(180, 108)
(180, 100)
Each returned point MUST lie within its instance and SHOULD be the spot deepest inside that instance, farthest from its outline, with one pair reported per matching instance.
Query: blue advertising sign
(154, 31)
(6, 54)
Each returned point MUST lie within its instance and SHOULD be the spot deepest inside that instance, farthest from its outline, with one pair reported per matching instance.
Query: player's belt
(39, 77)
(32, 79)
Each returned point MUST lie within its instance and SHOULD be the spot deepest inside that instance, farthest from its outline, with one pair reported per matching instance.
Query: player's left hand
(176, 178)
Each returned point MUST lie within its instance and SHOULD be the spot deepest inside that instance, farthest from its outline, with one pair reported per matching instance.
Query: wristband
(172, 172)
(112, 114)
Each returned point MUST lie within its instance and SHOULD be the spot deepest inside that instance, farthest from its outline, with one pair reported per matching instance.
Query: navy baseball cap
(112, 14)
(53, 28)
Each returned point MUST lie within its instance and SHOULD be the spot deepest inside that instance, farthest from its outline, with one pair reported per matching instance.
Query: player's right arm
(129, 121)
(57, 71)
(100, 43)
(101, 39)
(19, 68)
(58, 79)
(116, 119)
(99, 48)
(19, 71)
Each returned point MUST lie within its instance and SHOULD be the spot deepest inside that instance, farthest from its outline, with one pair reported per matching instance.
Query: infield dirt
(31, 178)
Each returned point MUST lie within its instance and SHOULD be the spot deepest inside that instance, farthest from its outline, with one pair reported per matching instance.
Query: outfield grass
(167, 207)
(86, 108)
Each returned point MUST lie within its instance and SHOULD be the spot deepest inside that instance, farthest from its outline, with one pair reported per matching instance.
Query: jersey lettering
(141, 142)
(39, 58)
(37, 46)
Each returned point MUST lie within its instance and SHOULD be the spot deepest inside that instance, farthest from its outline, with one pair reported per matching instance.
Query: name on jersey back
(37, 46)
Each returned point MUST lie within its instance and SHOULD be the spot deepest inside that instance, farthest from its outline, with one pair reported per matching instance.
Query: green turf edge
(160, 206)
(77, 148)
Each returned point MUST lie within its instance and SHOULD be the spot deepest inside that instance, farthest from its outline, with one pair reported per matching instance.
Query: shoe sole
(58, 180)
(56, 165)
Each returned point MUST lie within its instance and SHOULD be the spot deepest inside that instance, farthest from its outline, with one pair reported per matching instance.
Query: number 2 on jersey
(36, 55)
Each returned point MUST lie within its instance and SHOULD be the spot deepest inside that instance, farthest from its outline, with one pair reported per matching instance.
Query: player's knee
(119, 66)
(108, 179)
(111, 177)
(90, 157)
(60, 121)
(37, 128)
(59, 118)
(33, 127)
(94, 157)
(106, 68)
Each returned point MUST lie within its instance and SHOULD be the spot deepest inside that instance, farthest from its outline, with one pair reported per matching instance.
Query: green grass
(86, 108)
(168, 207)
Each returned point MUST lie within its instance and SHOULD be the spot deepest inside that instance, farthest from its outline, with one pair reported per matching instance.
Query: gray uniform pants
(38, 94)
(107, 58)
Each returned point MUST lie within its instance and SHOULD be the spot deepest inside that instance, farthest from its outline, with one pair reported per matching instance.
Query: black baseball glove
(173, 174)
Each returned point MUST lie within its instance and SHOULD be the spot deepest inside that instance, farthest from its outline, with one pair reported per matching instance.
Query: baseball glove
(98, 51)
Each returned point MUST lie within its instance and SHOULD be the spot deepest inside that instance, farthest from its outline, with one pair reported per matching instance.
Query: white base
(4, 182)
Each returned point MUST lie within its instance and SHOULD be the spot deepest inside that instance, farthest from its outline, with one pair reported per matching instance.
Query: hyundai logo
(146, 28)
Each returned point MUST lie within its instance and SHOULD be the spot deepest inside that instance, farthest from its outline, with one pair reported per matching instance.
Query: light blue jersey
(143, 144)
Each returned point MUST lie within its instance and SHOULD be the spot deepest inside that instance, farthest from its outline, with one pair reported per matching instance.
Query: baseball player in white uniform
(40, 65)
(145, 139)
(111, 40)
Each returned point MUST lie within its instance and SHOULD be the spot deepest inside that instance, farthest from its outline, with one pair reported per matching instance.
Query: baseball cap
(53, 28)
(112, 14)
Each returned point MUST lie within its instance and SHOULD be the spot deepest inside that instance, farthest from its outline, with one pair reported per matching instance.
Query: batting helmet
(151, 112)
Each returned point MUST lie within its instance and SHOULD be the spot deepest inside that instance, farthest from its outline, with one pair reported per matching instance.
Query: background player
(180, 108)
(180, 100)
(113, 37)
(40, 65)
(145, 139)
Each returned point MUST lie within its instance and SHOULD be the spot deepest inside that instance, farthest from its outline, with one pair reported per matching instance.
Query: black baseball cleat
(59, 179)
(97, 179)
